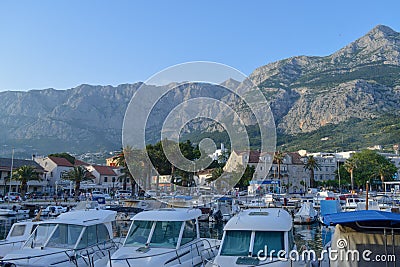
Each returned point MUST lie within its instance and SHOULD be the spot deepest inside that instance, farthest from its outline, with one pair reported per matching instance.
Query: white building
(54, 168)
(106, 178)
(329, 163)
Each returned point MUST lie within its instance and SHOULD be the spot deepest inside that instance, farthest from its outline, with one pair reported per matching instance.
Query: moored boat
(51, 210)
(164, 237)
(306, 215)
(12, 209)
(363, 238)
(254, 237)
(16, 237)
(76, 238)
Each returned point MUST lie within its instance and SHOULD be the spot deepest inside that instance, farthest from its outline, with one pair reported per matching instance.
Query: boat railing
(87, 254)
(11, 243)
(210, 250)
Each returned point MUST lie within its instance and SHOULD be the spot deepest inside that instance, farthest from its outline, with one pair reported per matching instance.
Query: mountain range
(349, 98)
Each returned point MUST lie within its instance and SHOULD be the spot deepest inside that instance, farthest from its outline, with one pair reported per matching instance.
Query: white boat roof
(265, 219)
(172, 214)
(85, 217)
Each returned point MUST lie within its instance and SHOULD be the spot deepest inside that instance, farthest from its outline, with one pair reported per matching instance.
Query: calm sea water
(309, 235)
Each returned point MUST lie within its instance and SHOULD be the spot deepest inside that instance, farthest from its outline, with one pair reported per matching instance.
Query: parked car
(123, 194)
(13, 196)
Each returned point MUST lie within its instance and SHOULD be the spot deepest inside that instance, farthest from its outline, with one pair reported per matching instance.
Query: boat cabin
(163, 228)
(73, 230)
(164, 237)
(248, 233)
(64, 238)
(18, 234)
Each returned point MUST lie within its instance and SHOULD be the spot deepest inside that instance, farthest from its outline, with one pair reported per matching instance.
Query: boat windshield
(165, 234)
(273, 241)
(65, 236)
(138, 233)
(237, 243)
(40, 235)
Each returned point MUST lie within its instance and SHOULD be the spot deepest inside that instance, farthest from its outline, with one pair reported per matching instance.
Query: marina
(152, 228)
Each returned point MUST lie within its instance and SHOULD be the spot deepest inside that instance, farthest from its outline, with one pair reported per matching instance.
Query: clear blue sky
(61, 44)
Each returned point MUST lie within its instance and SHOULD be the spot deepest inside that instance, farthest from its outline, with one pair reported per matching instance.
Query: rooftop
(104, 170)
(61, 161)
(5, 164)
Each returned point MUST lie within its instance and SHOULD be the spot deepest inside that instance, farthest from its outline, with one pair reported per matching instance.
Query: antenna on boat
(37, 217)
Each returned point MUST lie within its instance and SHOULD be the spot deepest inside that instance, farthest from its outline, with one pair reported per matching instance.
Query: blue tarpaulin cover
(329, 207)
(361, 216)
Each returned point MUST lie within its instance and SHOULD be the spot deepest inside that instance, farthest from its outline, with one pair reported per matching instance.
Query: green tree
(78, 174)
(312, 165)
(372, 166)
(244, 181)
(24, 174)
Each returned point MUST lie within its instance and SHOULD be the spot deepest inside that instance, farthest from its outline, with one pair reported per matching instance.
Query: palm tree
(311, 165)
(383, 170)
(129, 157)
(78, 174)
(278, 158)
(24, 174)
(350, 165)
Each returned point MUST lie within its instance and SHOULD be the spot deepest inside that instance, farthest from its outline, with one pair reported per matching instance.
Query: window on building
(105, 179)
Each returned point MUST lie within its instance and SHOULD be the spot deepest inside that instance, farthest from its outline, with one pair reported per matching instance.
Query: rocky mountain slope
(361, 80)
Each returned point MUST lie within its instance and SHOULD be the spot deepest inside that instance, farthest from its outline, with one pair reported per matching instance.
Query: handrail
(176, 251)
(5, 242)
(72, 251)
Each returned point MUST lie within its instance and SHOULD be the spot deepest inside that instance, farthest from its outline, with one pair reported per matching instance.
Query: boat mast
(11, 172)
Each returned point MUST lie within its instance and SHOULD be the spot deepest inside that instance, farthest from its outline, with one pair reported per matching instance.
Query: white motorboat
(12, 209)
(16, 237)
(254, 237)
(351, 203)
(76, 238)
(306, 215)
(7, 212)
(164, 237)
(52, 210)
(323, 195)
(372, 205)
